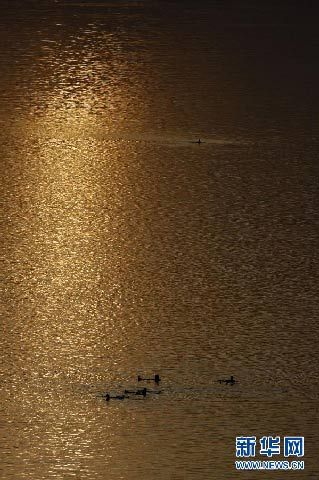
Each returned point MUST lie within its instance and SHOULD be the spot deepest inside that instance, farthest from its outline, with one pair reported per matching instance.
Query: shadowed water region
(130, 250)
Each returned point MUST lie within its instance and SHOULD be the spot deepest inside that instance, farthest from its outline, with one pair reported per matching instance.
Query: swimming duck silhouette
(142, 392)
(156, 379)
(228, 381)
(116, 397)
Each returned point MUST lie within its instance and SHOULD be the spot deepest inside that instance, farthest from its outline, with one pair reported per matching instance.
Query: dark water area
(130, 249)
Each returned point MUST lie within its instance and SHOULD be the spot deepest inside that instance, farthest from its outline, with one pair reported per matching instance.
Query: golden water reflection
(86, 75)
(127, 250)
(70, 249)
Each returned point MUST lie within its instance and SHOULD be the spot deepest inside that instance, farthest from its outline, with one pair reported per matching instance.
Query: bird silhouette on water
(141, 391)
(228, 381)
(156, 379)
(115, 397)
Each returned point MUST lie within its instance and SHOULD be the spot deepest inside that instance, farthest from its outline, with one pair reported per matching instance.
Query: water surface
(130, 250)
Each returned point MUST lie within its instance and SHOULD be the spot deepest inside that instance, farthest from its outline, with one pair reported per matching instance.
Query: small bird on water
(116, 397)
(156, 378)
(142, 392)
(227, 381)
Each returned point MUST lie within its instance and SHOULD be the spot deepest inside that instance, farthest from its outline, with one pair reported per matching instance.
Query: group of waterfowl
(144, 391)
(140, 391)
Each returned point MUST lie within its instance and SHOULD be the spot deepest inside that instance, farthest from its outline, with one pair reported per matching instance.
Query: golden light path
(70, 255)
(76, 185)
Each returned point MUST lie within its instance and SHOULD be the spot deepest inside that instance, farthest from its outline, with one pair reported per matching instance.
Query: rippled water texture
(130, 250)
